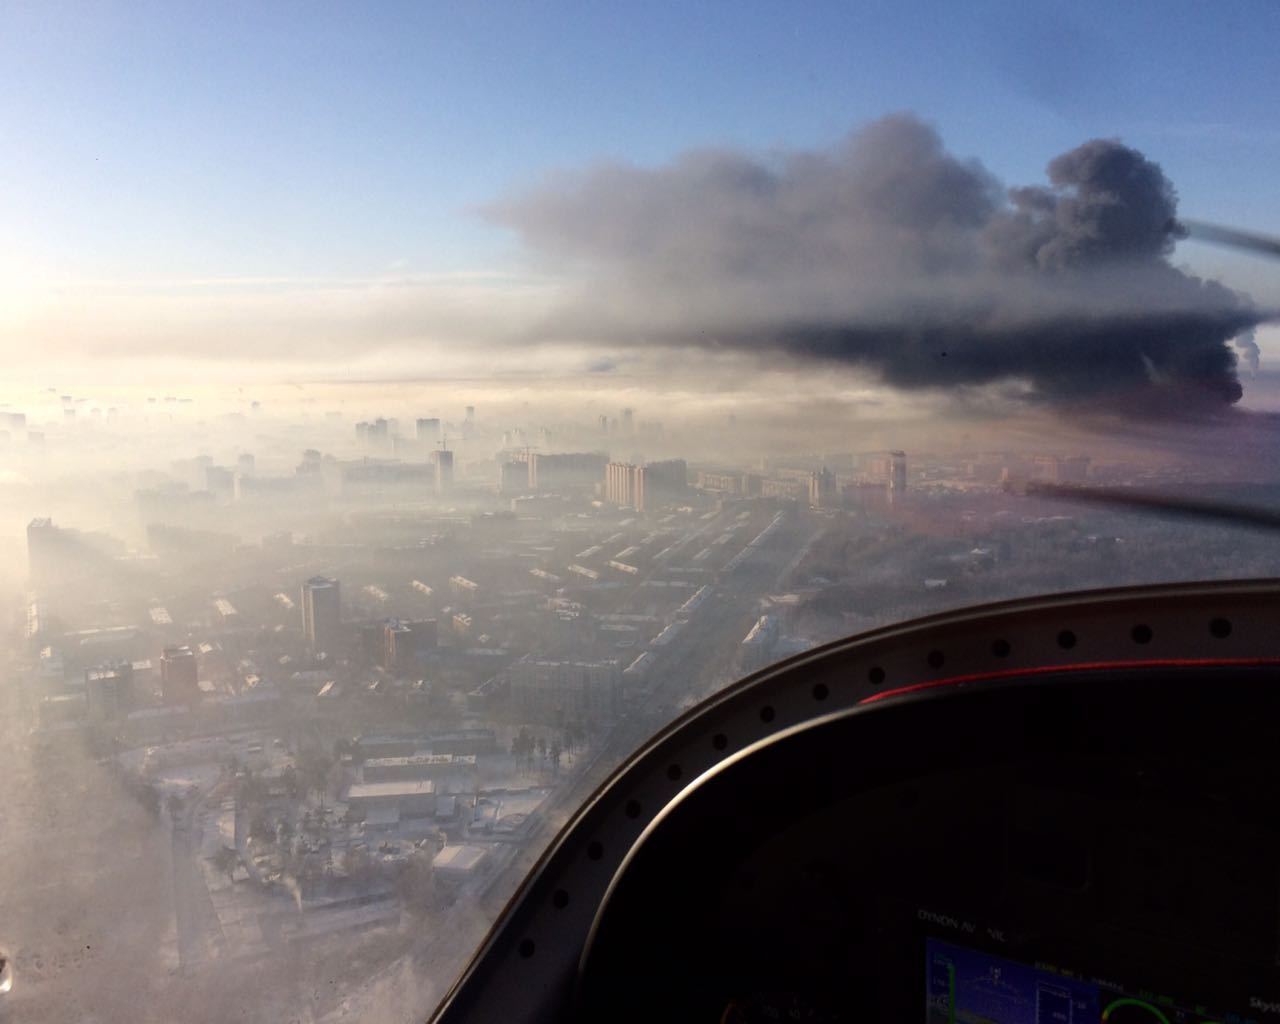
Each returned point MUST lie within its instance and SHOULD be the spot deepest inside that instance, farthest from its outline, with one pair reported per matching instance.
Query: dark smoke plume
(888, 253)
(1247, 347)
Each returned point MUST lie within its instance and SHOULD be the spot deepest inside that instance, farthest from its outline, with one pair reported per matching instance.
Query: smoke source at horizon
(888, 253)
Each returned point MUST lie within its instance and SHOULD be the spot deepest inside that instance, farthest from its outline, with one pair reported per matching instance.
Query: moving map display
(968, 986)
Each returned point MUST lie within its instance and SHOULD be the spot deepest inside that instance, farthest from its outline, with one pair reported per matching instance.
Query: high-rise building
(322, 613)
(638, 486)
(463, 589)
(372, 640)
(194, 471)
(624, 484)
(792, 488)
(398, 651)
(662, 482)
(426, 634)
(897, 474)
(401, 642)
(429, 430)
(67, 564)
(1045, 467)
(45, 551)
(822, 488)
(179, 675)
(712, 480)
(108, 690)
(220, 482)
(444, 471)
(1057, 470)
(628, 422)
(513, 478)
(561, 470)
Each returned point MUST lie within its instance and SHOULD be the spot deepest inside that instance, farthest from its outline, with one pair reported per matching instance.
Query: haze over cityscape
(297, 694)
(411, 411)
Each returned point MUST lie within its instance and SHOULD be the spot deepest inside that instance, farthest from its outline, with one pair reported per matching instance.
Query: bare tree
(417, 883)
(359, 866)
(226, 860)
(149, 796)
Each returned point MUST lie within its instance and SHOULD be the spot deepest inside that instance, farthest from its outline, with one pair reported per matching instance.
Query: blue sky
(184, 141)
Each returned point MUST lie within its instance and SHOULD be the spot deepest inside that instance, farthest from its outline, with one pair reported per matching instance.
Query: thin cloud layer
(449, 323)
(888, 253)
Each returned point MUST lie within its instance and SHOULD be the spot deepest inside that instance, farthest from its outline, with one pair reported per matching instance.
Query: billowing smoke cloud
(1248, 349)
(888, 253)
(1107, 204)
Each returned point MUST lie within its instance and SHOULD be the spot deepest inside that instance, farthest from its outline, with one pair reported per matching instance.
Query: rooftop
(460, 858)
(390, 790)
(382, 817)
(422, 761)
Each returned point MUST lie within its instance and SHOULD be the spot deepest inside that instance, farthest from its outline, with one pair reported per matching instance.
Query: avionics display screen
(973, 987)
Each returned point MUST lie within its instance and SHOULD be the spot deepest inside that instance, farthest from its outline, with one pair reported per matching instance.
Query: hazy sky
(268, 182)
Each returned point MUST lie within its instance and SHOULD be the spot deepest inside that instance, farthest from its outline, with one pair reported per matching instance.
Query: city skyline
(289, 688)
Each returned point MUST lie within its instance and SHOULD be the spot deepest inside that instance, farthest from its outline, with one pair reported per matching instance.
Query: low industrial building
(417, 766)
(413, 799)
(458, 864)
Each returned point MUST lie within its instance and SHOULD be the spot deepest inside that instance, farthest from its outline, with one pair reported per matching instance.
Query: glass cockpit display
(968, 986)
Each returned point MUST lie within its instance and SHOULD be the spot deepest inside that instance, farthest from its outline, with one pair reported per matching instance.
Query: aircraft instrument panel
(974, 987)
(1059, 811)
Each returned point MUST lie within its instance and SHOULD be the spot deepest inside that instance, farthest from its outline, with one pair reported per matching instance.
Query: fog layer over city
(300, 685)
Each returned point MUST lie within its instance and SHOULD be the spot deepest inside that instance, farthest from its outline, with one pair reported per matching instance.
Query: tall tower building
(444, 471)
(44, 553)
(658, 483)
(624, 484)
(401, 642)
(429, 430)
(108, 690)
(565, 469)
(322, 612)
(822, 488)
(1057, 470)
(513, 477)
(897, 475)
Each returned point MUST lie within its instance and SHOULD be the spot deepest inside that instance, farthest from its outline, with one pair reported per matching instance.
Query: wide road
(199, 933)
(84, 890)
(703, 658)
